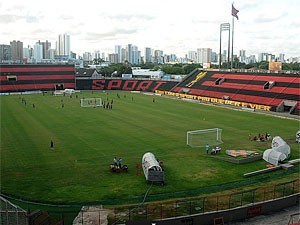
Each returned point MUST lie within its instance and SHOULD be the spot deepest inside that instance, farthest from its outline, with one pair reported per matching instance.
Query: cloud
(32, 19)
(65, 17)
(13, 18)
(128, 17)
(269, 18)
(111, 35)
(9, 18)
(165, 25)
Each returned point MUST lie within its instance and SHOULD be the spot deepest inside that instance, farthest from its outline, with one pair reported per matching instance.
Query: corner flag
(234, 12)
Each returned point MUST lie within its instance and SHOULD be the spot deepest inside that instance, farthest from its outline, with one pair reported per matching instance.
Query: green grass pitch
(87, 139)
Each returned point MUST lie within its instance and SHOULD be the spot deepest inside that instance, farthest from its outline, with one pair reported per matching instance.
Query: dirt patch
(92, 215)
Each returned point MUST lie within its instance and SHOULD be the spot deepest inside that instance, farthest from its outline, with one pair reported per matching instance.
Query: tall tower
(129, 53)
(118, 50)
(63, 45)
(16, 51)
(46, 46)
(158, 56)
(148, 55)
(5, 53)
(97, 54)
(242, 56)
(38, 52)
(135, 55)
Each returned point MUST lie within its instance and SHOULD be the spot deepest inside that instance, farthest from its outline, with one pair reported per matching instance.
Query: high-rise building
(250, 59)
(118, 51)
(281, 57)
(204, 55)
(38, 52)
(158, 56)
(136, 55)
(128, 56)
(97, 54)
(51, 53)
(242, 56)
(87, 56)
(148, 55)
(46, 46)
(113, 58)
(63, 46)
(262, 56)
(192, 55)
(214, 57)
(5, 53)
(26, 53)
(16, 51)
(103, 55)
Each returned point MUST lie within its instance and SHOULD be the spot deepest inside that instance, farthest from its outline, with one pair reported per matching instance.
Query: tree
(190, 67)
(291, 66)
(263, 65)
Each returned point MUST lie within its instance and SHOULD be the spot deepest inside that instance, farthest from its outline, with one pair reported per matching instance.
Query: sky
(176, 27)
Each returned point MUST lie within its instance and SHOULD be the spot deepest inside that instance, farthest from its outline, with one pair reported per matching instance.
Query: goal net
(91, 102)
(199, 138)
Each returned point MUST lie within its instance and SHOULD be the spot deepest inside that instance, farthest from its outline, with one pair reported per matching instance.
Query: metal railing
(213, 203)
(12, 214)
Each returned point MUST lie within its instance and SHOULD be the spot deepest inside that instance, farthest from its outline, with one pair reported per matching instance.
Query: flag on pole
(234, 12)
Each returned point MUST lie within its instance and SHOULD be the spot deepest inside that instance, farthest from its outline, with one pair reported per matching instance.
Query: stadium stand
(280, 91)
(33, 77)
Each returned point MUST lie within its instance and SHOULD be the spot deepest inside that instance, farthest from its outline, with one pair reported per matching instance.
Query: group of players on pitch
(214, 151)
(117, 166)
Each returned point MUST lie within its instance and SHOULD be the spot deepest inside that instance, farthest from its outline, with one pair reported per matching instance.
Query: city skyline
(174, 28)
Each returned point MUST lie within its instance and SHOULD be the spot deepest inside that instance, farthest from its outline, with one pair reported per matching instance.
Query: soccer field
(86, 140)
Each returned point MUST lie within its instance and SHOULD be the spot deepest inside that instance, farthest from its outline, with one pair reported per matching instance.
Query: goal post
(91, 102)
(199, 138)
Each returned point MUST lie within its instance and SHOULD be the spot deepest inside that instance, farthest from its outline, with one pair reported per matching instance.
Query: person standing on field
(115, 161)
(207, 148)
(52, 145)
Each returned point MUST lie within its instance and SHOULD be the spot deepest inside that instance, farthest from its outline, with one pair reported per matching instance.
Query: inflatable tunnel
(152, 170)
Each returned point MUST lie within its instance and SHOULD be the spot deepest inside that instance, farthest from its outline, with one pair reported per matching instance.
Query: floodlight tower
(224, 27)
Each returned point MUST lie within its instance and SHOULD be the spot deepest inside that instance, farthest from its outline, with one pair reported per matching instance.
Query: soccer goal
(91, 102)
(199, 138)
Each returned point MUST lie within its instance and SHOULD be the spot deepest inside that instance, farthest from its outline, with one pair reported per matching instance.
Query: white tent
(273, 157)
(279, 145)
(298, 136)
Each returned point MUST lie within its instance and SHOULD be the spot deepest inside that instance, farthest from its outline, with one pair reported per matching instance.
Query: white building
(250, 59)
(192, 55)
(87, 56)
(38, 52)
(129, 53)
(118, 50)
(148, 55)
(158, 57)
(137, 72)
(281, 57)
(136, 55)
(242, 56)
(204, 55)
(63, 45)
(26, 53)
(96, 54)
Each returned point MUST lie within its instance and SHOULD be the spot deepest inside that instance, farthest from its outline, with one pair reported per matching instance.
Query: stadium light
(224, 27)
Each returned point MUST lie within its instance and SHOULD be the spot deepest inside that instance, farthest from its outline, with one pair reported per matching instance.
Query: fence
(12, 214)
(159, 207)
(214, 203)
